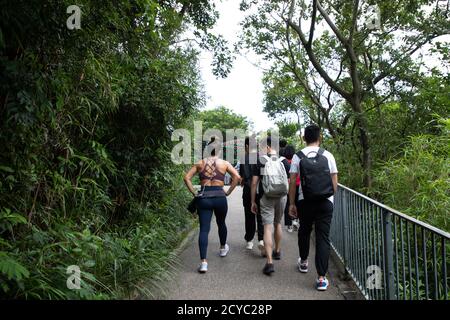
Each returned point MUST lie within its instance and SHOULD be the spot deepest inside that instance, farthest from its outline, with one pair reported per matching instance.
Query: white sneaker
(203, 267)
(295, 224)
(223, 252)
(302, 265)
(249, 245)
(290, 228)
(261, 248)
(322, 285)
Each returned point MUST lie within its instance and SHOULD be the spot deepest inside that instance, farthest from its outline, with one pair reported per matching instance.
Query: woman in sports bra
(212, 198)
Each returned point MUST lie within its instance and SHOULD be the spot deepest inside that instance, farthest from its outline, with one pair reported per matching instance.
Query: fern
(12, 269)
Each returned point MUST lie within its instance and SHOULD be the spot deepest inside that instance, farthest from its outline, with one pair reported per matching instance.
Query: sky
(242, 90)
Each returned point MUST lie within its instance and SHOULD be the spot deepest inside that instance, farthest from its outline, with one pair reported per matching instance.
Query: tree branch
(354, 20)
(393, 64)
(333, 27)
(313, 23)
(316, 63)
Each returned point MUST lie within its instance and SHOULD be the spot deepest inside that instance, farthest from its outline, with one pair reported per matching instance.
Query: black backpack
(315, 178)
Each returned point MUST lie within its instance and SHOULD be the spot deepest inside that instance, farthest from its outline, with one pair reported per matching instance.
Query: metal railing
(387, 253)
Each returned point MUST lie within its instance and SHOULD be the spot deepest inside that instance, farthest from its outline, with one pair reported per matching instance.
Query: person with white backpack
(270, 185)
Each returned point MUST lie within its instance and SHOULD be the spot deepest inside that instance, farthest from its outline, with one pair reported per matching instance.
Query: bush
(417, 183)
(85, 123)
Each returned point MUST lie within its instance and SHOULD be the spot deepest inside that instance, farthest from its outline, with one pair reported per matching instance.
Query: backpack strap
(321, 151)
(301, 155)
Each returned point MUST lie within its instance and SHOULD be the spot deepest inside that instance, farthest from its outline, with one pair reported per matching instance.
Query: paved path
(239, 275)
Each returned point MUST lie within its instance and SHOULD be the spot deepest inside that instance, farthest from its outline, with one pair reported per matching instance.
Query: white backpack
(275, 181)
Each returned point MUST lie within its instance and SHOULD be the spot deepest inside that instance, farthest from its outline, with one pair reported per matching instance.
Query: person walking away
(212, 198)
(283, 145)
(270, 183)
(314, 205)
(288, 153)
(252, 222)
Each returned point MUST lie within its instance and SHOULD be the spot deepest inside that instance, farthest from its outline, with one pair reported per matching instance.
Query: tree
(287, 129)
(222, 119)
(339, 60)
(85, 120)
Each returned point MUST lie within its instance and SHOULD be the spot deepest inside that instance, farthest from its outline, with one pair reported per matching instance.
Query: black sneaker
(268, 269)
(276, 255)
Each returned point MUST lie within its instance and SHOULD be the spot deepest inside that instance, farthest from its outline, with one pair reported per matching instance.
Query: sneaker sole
(322, 289)
(302, 270)
(224, 255)
(201, 271)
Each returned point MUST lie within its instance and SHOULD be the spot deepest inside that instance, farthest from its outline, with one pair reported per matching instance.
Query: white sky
(242, 90)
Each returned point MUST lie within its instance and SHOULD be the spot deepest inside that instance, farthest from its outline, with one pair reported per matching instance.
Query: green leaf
(7, 169)
(89, 263)
(11, 268)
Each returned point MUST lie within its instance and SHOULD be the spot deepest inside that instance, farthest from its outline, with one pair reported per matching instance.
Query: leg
(304, 232)
(287, 217)
(280, 206)
(220, 211)
(277, 235)
(250, 224)
(324, 214)
(259, 223)
(267, 215)
(205, 214)
(268, 243)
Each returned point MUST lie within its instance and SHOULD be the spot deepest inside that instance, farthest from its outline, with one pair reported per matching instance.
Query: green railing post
(388, 255)
(344, 213)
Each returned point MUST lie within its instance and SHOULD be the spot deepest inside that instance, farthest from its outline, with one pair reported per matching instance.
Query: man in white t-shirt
(314, 210)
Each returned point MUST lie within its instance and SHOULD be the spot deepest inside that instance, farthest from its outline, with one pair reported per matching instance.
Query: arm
(242, 174)
(256, 169)
(334, 179)
(255, 181)
(188, 177)
(292, 193)
(235, 178)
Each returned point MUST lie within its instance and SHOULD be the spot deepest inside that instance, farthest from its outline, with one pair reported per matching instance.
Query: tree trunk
(365, 142)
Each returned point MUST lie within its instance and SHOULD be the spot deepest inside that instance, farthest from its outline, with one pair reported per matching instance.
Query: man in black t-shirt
(252, 222)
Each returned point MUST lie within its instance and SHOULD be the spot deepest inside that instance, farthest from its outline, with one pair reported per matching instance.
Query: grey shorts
(272, 209)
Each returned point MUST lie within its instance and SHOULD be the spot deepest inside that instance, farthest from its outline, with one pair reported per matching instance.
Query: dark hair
(249, 140)
(283, 143)
(213, 145)
(312, 133)
(289, 152)
(269, 142)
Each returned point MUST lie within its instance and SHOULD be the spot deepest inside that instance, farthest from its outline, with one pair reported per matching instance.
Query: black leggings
(206, 207)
